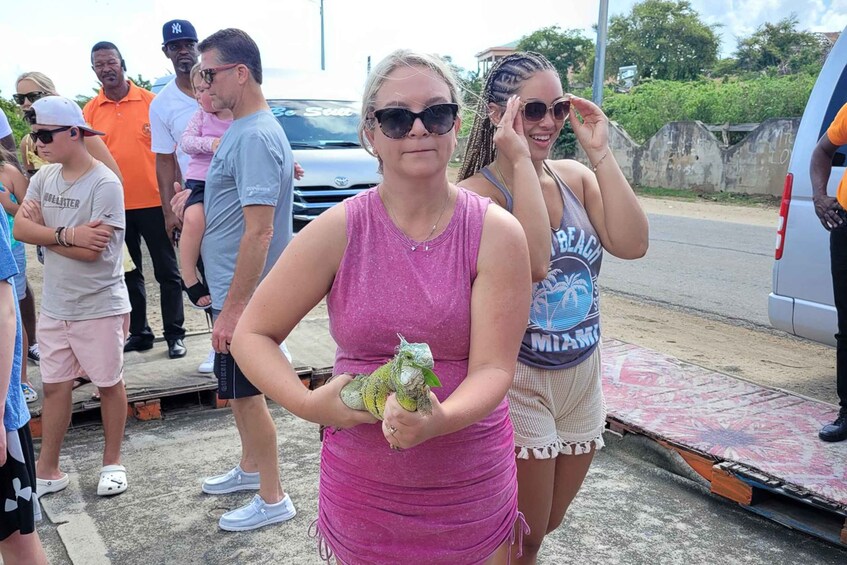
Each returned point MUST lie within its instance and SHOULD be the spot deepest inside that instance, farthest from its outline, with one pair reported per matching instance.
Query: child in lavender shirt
(200, 139)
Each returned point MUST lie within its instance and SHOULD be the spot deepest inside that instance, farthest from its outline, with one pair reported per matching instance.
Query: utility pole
(323, 61)
(600, 53)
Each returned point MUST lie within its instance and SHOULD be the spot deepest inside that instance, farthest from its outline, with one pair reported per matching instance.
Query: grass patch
(732, 198)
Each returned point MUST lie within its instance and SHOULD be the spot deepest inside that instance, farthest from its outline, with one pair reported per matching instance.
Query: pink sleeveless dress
(452, 499)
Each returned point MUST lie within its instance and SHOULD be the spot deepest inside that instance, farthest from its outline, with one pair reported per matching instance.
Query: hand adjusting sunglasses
(535, 111)
(31, 96)
(396, 123)
(45, 136)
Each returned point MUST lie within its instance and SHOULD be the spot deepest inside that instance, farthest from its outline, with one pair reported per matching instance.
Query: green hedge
(19, 127)
(642, 111)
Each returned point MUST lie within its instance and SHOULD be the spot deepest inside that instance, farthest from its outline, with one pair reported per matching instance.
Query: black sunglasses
(535, 111)
(396, 123)
(208, 75)
(31, 96)
(45, 136)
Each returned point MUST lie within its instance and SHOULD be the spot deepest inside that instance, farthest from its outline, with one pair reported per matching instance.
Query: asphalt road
(707, 266)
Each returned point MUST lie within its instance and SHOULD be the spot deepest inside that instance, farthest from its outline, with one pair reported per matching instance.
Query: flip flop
(112, 480)
(82, 381)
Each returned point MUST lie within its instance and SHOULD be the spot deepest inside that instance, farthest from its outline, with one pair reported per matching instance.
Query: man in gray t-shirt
(252, 167)
(248, 201)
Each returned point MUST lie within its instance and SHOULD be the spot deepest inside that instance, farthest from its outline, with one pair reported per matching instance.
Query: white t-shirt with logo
(170, 111)
(74, 289)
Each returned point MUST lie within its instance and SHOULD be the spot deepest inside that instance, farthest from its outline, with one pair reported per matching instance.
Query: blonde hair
(379, 74)
(41, 80)
(194, 70)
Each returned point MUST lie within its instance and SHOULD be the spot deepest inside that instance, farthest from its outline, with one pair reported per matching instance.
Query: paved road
(715, 267)
(633, 509)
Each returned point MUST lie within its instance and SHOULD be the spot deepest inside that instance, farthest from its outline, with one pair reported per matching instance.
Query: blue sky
(55, 36)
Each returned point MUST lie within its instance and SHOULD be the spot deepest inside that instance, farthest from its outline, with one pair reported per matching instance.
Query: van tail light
(783, 215)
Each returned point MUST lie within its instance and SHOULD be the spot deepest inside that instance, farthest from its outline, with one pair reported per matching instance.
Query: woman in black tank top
(570, 213)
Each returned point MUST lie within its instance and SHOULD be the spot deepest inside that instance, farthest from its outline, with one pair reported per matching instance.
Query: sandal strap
(196, 291)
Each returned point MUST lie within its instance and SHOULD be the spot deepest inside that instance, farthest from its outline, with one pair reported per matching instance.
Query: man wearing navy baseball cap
(170, 111)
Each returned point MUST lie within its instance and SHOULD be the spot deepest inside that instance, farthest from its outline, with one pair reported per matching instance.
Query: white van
(802, 302)
(319, 112)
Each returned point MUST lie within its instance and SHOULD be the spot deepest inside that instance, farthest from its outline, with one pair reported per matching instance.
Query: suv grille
(310, 201)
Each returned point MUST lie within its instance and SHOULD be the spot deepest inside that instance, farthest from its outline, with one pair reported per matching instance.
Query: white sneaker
(284, 349)
(208, 366)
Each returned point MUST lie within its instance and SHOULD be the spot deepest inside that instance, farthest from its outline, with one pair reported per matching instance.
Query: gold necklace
(411, 242)
(85, 172)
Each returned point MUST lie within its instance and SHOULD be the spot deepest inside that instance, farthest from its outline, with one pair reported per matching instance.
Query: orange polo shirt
(837, 134)
(127, 127)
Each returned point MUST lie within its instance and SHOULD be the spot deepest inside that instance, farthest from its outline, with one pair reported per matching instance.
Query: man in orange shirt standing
(833, 217)
(121, 110)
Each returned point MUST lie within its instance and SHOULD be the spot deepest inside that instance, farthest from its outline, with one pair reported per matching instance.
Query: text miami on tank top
(564, 320)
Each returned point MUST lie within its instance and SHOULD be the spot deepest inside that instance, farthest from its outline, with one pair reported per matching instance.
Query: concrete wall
(686, 155)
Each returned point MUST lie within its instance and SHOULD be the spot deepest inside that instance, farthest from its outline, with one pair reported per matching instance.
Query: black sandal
(195, 292)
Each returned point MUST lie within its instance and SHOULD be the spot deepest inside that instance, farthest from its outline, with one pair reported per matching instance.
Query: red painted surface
(765, 429)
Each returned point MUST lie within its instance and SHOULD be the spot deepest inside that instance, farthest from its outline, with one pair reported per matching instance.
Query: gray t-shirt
(73, 289)
(253, 166)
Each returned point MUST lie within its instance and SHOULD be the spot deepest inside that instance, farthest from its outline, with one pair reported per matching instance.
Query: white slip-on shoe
(208, 366)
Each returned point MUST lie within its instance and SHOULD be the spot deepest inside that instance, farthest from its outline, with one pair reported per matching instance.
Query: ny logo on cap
(176, 28)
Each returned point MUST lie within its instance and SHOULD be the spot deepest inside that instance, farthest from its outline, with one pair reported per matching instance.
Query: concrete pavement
(631, 510)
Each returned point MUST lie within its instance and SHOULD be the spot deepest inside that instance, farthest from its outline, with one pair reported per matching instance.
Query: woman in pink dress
(421, 257)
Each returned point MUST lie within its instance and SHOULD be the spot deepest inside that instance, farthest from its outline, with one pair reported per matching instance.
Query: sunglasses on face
(535, 111)
(45, 136)
(396, 123)
(31, 96)
(208, 75)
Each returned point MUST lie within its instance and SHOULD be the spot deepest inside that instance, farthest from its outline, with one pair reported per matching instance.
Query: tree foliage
(781, 49)
(646, 108)
(665, 38)
(565, 49)
(19, 127)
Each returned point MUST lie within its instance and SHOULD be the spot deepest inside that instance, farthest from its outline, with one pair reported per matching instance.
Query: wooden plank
(727, 485)
(702, 465)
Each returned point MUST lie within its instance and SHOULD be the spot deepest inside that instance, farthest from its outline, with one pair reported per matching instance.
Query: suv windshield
(318, 123)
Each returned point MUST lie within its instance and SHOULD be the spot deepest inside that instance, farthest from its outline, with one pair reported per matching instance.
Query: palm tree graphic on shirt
(556, 300)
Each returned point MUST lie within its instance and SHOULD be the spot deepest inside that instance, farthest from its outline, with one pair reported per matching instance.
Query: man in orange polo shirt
(121, 110)
(831, 213)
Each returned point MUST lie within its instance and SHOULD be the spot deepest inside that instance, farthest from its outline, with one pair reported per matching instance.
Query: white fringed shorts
(558, 412)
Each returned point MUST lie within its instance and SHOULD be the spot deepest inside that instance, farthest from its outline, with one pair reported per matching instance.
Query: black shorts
(231, 381)
(198, 191)
(19, 505)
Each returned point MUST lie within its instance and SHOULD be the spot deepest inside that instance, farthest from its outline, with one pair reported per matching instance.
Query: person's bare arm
(8, 332)
(820, 166)
(252, 254)
(301, 277)
(87, 241)
(167, 173)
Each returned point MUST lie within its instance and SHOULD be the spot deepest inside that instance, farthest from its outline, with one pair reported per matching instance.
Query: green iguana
(408, 375)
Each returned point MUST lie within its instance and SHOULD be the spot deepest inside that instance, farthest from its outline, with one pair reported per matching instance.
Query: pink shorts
(94, 348)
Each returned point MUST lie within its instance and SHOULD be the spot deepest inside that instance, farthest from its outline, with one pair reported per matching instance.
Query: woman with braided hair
(570, 214)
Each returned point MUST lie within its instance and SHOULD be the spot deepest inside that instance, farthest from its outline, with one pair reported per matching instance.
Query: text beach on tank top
(564, 320)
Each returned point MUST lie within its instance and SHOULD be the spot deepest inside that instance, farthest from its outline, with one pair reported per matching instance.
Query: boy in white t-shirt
(74, 208)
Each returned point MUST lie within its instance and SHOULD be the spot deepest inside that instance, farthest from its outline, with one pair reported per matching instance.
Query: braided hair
(503, 80)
